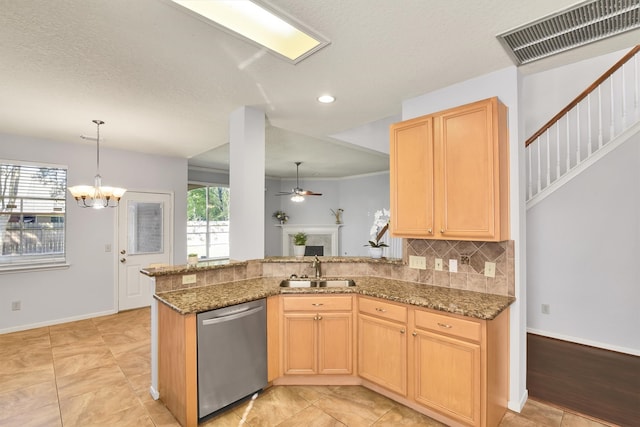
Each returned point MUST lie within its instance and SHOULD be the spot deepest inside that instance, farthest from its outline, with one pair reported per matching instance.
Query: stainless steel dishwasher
(232, 354)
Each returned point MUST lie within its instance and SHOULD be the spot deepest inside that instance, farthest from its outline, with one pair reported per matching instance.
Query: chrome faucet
(317, 266)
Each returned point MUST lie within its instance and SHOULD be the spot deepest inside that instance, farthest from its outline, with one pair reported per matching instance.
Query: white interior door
(145, 230)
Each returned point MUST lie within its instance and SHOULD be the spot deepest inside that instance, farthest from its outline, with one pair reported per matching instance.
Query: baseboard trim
(517, 406)
(590, 343)
(57, 321)
(155, 394)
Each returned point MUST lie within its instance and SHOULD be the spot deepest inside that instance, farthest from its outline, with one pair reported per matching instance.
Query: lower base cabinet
(382, 344)
(460, 366)
(447, 376)
(317, 336)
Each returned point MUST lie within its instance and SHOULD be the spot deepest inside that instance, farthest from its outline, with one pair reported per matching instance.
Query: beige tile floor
(96, 373)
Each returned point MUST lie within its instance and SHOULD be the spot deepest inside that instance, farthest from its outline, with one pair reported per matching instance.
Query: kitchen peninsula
(445, 350)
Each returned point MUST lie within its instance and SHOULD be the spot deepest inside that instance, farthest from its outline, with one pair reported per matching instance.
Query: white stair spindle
(623, 98)
(557, 150)
(528, 150)
(568, 145)
(548, 160)
(539, 165)
(589, 145)
(612, 124)
(636, 103)
(578, 141)
(599, 117)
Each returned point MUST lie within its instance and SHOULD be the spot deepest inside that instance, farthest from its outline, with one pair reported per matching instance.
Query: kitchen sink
(317, 283)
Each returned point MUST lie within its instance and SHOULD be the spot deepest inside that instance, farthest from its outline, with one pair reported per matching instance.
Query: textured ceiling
(165, 82)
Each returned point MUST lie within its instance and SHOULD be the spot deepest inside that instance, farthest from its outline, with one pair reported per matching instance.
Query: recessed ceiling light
(260, 25)
(326, 99)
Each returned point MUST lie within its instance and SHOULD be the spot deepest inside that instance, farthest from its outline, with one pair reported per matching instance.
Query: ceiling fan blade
(309, 193)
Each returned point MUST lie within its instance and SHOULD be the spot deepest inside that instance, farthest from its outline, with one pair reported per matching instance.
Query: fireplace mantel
(331, 231)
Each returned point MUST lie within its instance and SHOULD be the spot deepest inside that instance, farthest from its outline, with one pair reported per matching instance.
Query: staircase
(601, 118)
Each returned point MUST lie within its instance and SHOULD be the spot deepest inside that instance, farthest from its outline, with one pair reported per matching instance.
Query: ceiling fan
(298, 193)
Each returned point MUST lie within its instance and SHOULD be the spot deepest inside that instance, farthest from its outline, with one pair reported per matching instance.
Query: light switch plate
(490, 269)
(188, 279)
(438, 265)
(453, 265)
(418, 262)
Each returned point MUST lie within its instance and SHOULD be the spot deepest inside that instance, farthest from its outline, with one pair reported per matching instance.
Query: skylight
(260, 25)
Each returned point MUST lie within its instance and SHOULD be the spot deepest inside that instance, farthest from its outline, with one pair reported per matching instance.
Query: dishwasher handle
(232, 316)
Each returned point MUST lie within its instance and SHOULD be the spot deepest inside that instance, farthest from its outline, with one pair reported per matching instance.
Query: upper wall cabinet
(450, 174)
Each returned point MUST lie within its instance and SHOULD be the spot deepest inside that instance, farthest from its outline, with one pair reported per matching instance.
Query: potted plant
(192, 259)
(281, 216)
(380, 226)
(299, 243)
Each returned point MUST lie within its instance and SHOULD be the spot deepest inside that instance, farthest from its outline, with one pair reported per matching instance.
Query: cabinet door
(447, 376)
(335, 343)
(467, 162)
(411, 178)
(300, 343)
(382, 353)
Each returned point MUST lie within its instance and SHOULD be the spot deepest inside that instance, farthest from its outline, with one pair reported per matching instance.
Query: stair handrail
(584, 94)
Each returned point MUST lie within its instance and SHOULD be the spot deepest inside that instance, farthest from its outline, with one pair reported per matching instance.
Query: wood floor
(96, 373)
(601, 383)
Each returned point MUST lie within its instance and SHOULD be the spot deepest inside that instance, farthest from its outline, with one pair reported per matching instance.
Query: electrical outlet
(438, 265)
(188, 279)
(418, 262)
(490, 269)
(16, 305)
(453, 265)
(545, 309)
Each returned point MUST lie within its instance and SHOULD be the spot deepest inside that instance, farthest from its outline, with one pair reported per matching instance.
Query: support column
(246, 184)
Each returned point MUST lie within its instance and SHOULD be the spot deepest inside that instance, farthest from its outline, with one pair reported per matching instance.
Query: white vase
(298, 250)
(375, 252)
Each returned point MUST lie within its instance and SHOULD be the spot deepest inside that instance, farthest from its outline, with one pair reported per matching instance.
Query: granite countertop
(213, 265)
(466, 303)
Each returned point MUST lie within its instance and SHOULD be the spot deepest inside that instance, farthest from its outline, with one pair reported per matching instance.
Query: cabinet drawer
(443, 324)
(386, 310)
(316, 303)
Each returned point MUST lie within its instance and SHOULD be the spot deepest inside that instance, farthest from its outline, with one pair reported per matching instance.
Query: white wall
(88, 287)
(359, 196)
(505, 85)
(583, 251)
(584, 239)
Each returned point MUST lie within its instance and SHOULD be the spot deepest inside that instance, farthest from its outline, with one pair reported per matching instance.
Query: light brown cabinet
(459, 366)
(317, 335)
(382, 344)
(449, 174)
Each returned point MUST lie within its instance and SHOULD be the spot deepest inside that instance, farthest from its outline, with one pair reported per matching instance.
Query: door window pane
(145, 227)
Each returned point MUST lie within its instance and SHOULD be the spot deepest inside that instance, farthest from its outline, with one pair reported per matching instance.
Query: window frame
(206, 186)
(34, 261)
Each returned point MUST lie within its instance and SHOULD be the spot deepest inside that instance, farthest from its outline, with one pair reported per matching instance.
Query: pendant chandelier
(97, 196)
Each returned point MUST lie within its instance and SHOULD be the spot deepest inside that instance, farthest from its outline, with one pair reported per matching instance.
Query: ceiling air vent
(581, 24)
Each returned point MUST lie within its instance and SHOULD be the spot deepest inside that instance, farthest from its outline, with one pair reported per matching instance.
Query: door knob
(123, 260)
(123, 252)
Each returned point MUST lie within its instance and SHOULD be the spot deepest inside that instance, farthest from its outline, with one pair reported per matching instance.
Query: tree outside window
(208, 221)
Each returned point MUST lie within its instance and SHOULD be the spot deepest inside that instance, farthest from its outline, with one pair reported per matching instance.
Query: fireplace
(327, 236)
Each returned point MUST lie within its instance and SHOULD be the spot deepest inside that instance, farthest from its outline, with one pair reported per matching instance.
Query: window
(208, 221)
(32, 214)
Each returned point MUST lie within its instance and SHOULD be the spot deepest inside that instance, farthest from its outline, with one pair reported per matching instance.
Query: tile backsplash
(471, 257)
